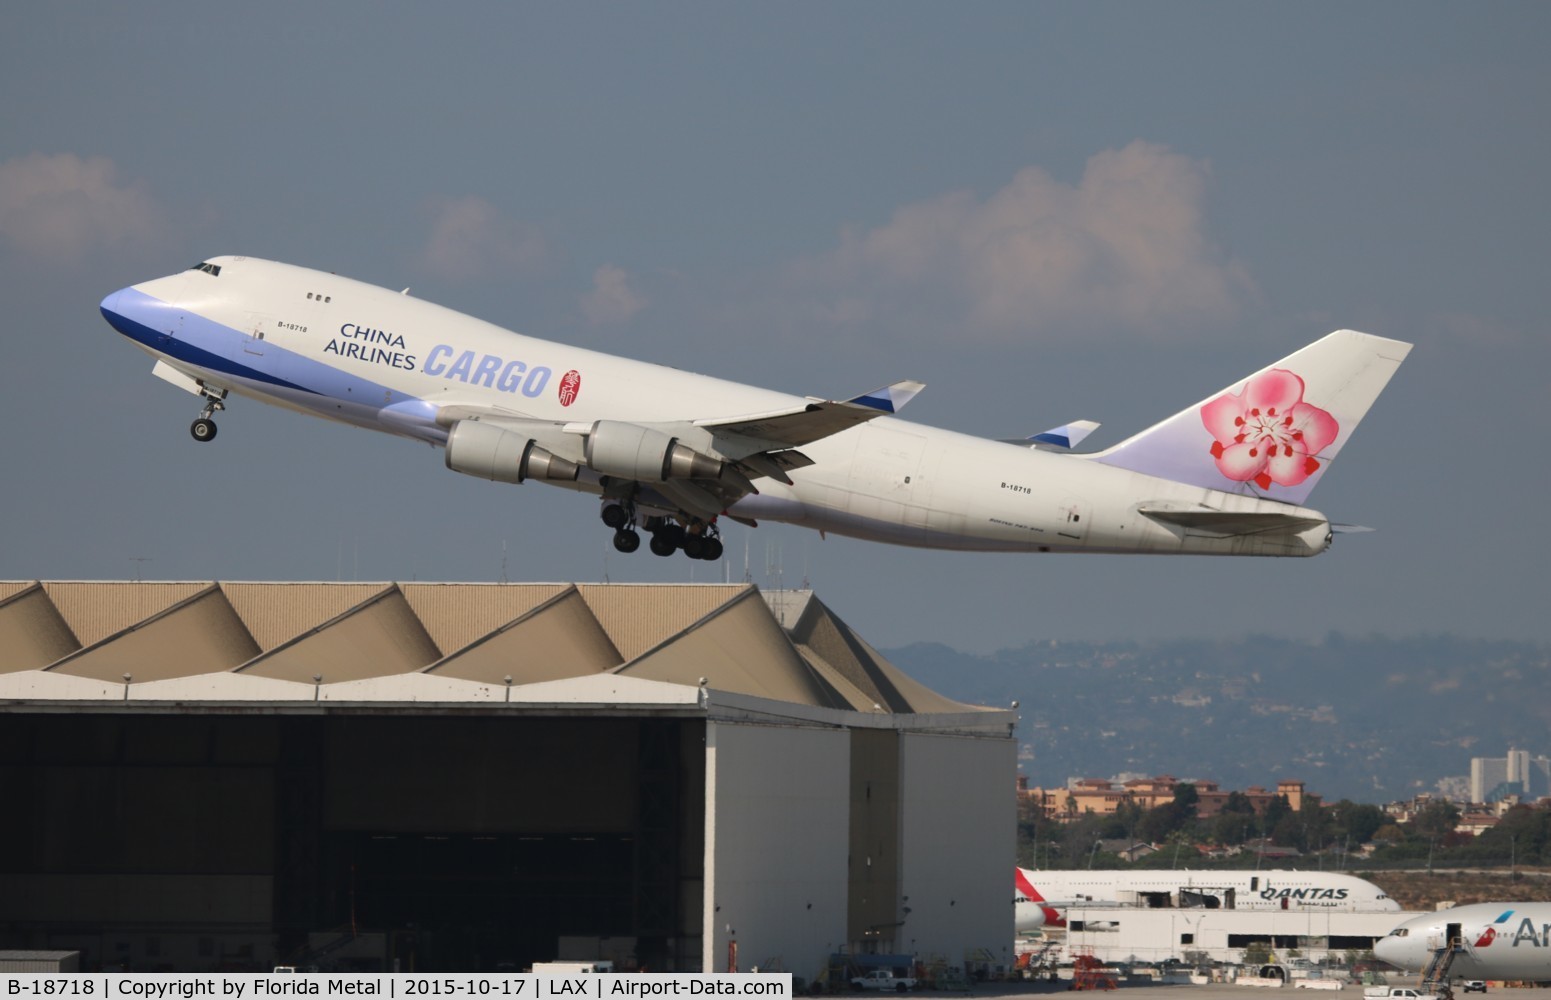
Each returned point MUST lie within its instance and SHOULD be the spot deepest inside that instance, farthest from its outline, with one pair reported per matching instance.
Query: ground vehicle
(1397, 993)
(1474, 986)
(883, 979)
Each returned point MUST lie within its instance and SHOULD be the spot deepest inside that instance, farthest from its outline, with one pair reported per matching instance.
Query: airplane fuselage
(367, 356)
(1042, 896)
(1493, 941)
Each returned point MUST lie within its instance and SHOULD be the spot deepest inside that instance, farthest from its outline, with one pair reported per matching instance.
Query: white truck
(1396, 993)
(883, 979)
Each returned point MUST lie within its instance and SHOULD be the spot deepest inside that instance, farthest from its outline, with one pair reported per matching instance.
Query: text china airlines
(491, 371)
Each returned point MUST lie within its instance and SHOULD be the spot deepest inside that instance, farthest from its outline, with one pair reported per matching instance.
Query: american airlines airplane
(1042, 897)
(672, 452)
(1488, 941)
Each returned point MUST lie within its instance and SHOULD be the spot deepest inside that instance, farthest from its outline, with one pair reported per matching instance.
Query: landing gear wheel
(662, 544)
(713, 550)
(694, 546)
(615, 516)
(203, 429)
(626, 541)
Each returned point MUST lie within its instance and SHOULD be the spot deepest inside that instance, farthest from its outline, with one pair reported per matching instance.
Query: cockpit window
(208, 268)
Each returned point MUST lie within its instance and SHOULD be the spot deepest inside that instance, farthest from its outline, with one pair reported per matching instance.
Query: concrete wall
(959, 848)
(777, 808)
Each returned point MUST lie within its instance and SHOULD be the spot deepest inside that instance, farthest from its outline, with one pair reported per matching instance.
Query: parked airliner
(1042, 897)
(671, 452)
(1488, 941)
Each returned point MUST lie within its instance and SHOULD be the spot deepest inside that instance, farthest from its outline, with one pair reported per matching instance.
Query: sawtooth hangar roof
(442, 642)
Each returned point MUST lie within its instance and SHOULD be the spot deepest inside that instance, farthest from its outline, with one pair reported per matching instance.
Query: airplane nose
(131, 314)
(1388, 949)
(110, 309)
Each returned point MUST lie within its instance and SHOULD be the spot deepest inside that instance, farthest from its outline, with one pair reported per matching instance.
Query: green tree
(1357, 822)
(1523, 834)
(1128, 817)
(1289, 831)
(1275, 810)
(1317, 825)
(1239, 803)
(1389, 833)
(1233, 828)
(1436, 820)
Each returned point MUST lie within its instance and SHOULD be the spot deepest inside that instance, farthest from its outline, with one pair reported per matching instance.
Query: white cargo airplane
(671, 451)
(1487, 940)
(1042, 897)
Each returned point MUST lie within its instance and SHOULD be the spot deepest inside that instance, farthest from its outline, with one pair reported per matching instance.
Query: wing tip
(890, 398)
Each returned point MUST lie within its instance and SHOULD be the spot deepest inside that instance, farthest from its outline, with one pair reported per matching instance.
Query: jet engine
(645, 454)
(491, 452)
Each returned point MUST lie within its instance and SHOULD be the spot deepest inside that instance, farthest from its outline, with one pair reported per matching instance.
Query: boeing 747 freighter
(672, 453)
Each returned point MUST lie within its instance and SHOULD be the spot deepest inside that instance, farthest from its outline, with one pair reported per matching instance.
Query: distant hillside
(1371, 719)
(1421, 890)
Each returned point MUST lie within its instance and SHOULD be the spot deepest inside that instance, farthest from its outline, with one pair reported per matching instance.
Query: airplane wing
(740, 449)
(1224, 523)
(819, 419)
(765, 444)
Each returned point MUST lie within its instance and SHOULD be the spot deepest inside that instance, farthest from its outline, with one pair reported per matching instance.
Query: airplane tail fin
(1275, 433)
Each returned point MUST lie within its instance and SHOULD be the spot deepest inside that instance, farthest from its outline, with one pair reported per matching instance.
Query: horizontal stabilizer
(1226, 523)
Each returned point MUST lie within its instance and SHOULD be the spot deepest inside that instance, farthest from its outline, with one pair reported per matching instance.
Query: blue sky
(1044, 211)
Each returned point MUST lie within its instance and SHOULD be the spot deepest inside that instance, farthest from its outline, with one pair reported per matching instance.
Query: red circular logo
(570, 387)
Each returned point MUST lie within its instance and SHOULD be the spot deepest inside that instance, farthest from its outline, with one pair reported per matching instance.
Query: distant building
(1128, 850)
(1492, 778)
(1105, 796)
(1476, 823)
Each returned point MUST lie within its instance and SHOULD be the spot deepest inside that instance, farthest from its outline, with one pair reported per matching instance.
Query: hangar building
(207, 776)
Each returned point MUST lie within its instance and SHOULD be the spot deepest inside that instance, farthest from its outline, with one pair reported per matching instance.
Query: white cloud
(611, 299)
(470, 241)
(59, 207)
(1125, 249)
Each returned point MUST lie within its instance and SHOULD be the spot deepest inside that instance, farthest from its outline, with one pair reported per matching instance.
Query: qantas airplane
(1489, 941)
(671, 452)
(1041, 897)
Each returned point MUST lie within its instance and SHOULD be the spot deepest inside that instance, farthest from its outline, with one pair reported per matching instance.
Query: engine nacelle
(491, 452)
(631, 451)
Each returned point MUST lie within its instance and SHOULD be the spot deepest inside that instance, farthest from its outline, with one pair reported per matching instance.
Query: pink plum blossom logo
(1267, 433)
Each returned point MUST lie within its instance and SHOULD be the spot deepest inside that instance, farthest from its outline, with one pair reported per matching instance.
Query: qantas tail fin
(1275, 433)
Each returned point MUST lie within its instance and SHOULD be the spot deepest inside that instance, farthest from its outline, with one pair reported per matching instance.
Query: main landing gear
(204, 428)
(700, 540)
